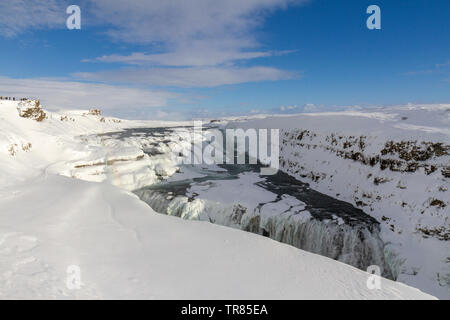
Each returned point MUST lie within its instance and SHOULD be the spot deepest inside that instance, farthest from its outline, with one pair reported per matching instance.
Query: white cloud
(18, 16)
(310, 107)
(204, 37)
(189, 77)
(439, 68)
(77, 95)
(197, 54)
(207, 57)
(189, 33)
(306, 108)
(445, 64)
(179, 21)
(148, 21)
(288, 108)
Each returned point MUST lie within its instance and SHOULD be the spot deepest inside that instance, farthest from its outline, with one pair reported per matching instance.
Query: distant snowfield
(49, 220)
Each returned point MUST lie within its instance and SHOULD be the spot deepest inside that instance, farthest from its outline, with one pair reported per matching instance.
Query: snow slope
(49, 222)
(393, 163)
(126, 251)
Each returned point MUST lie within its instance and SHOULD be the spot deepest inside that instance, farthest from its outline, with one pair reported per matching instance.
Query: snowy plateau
(75, 189)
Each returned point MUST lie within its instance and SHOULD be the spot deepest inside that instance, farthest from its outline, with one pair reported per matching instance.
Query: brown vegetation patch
(440, 233)
(33, 112)
(94, 112)
(438, 203)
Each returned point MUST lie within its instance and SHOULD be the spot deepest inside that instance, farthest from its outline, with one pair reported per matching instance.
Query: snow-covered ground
(50, 220)
(393, 163)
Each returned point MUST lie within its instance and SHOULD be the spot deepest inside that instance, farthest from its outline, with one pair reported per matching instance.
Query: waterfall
(356, 245)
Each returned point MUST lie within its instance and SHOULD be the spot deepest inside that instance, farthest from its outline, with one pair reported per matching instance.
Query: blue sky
(177, 59)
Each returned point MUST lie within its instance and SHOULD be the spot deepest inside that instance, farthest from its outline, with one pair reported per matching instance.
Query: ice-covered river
(276, 206)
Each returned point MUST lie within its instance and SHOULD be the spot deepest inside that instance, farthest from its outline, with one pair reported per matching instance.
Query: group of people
(12, 98)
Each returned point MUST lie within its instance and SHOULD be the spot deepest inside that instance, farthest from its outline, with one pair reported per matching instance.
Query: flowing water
(277, 206)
